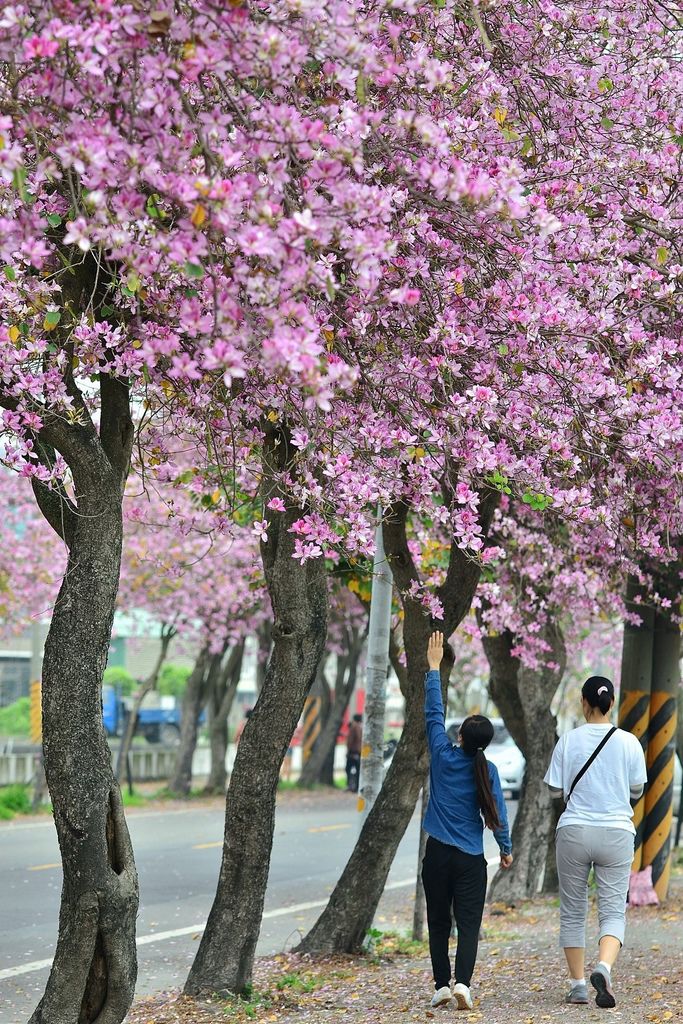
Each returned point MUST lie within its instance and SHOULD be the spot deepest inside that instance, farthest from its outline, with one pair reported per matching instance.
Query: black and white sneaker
(602, 983)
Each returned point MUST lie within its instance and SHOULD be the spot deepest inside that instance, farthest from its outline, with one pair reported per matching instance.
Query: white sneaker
(441, 996)
(463, 997)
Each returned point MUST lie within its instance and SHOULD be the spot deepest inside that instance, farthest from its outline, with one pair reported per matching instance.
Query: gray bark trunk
(320, 765)
(298, 596)
(344, 922)
(523, 698)
(194, 698)
(95, 964)
(551, 881)
(220, 702)
(265, 645)
(420, 908)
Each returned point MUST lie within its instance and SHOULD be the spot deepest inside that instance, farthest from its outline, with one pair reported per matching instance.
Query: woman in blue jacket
(464, 796)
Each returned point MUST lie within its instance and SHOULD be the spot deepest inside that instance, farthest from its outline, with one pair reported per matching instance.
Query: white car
(501, 751)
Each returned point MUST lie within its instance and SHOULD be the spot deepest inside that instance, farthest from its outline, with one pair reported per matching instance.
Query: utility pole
(379, 631)
(39, 783)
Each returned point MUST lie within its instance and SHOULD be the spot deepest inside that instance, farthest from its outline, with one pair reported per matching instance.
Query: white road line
(175, 933)
(49, 822)
(33, 965)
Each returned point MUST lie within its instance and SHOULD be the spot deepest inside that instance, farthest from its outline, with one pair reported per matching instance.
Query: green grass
(247, 1005)
(297, 982)
(14, 719)
(166, 794)
(134, 799)
(14, 800)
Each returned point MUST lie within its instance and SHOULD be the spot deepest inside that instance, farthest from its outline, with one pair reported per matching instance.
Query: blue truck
(158, 718)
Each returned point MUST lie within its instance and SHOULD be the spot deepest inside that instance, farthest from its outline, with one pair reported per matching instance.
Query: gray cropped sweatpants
(609, 851)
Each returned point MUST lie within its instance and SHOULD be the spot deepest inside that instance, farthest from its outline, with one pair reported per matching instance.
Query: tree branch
(463, 572)
(116, 424)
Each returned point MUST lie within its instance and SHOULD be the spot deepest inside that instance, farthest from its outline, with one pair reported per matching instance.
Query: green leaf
(107, 311)
(54, 220)
(527, 146)
(194, 269)
(9, 273)
(605, 84)
(152, 207)
(606, 123)
(360, 87)
(330, 289)
(133, 281)
(662, 255)
(52, 319)
(503, 349)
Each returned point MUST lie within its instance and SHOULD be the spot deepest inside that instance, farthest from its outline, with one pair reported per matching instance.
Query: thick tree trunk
(420, 908)
(220, 702)
(298, 596)
(320, 766)
(523, 697)
(264, 647)
(95, 964)
(167, 634)
(194, 698)
(551, 881)
(344, 922)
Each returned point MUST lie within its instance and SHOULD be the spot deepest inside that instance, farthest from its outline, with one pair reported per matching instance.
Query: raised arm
(434, 711)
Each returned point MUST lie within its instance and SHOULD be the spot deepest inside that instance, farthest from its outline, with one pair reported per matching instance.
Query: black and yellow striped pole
(661, 750)
(634, 716)
(311, 727)
(636, 684)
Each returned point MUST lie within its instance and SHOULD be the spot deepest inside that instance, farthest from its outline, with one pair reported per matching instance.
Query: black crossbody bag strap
(590, 760)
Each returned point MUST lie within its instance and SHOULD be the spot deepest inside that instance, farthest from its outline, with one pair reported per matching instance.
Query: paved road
(178, 856)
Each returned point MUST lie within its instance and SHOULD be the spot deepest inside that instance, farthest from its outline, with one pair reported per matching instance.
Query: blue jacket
(453, 815)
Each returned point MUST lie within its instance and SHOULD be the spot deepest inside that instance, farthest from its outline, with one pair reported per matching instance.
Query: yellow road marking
(328, 828)
(207, 846)
(44, 867)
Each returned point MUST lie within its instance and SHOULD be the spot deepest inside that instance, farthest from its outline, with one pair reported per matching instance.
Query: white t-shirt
(602, 794)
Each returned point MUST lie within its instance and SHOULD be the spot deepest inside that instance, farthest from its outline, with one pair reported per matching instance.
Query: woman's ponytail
(477, 732)
(487, 801)
(599, 693)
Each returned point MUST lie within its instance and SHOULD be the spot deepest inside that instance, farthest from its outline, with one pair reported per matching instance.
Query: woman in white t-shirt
(595, 831)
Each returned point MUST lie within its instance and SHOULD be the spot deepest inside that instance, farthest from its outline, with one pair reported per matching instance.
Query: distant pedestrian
(598, 769)
(464, 796)
(354, 745)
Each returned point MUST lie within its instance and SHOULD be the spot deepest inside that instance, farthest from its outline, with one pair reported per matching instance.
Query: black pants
(453, 880)
(352, 771)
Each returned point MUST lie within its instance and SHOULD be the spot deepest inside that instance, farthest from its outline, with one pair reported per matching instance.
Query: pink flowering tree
(364, 252)
(186, 564)
(544, 358)
(31, 557)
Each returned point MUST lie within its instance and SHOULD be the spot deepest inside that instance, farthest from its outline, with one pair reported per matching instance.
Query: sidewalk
(520, 977)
